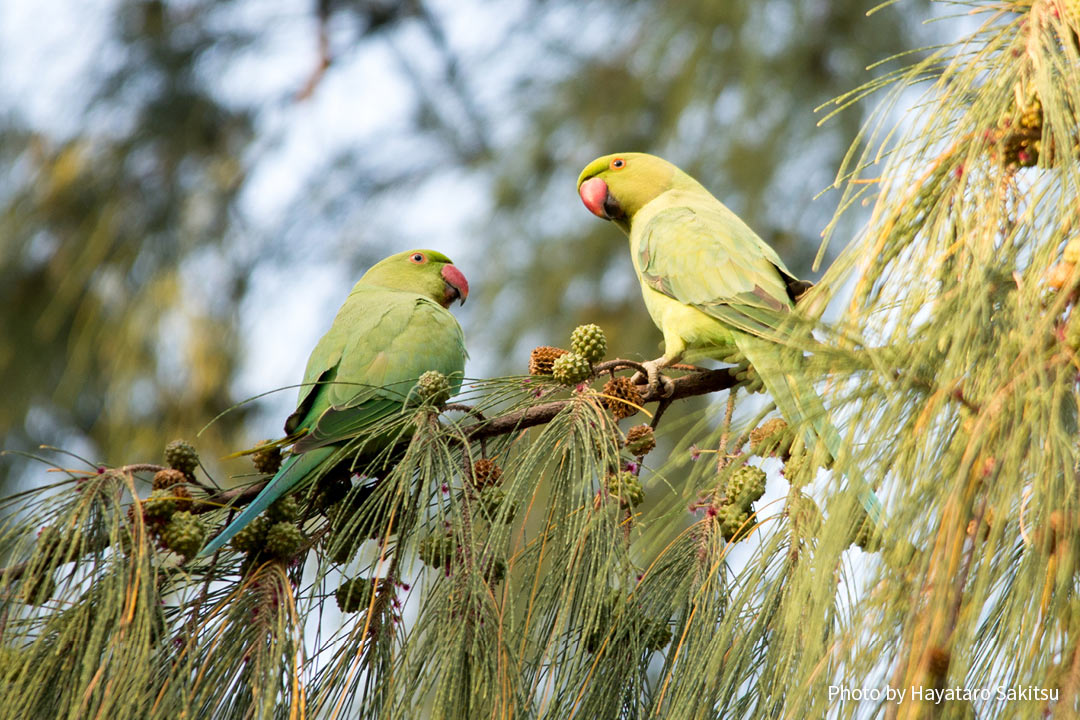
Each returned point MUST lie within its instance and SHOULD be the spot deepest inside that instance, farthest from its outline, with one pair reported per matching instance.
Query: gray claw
(658, 384)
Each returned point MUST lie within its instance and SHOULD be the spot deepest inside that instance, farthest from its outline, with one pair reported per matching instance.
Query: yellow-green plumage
(393, 327)
(364, 367)
(709, 282)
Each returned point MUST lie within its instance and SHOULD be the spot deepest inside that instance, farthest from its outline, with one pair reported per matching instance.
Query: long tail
(797, 401)
(292, 474)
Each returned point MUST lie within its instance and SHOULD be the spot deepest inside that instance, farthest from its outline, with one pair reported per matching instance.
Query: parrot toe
(659, 385)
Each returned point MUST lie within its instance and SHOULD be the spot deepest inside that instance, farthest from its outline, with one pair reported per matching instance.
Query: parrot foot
(658, 384)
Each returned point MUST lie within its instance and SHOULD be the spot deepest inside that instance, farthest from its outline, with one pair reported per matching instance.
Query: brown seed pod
(182, 496)
(543, 358)
(640, 440)
(621, 398)
(486, 472)
(1060, 275)
(771, 438)
(167, 478)
(937, 661)
(1071, 255)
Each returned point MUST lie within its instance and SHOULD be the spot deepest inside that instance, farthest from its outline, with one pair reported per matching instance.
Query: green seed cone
(733, 522)
(433, 388)
(268, 459)
(354, 595)
(160, 506)
(286, 509)
(589, 342)
(492, 501)
(571, 369)
(180, 455)
(625, 486)
(184, 534)
(745, 485)
(438, 551)
(252, 538)
(284, 540)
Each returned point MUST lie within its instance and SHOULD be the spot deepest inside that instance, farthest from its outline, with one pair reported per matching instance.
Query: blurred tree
(103, 334)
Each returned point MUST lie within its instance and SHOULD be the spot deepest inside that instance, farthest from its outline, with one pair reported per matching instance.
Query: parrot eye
(418, 258)
(618, 164)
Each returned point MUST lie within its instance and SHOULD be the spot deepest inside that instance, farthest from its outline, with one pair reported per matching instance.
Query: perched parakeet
(710, 283)
(393, 327)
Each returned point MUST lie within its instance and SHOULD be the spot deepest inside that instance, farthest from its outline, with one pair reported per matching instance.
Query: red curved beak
(457, 287)
(594, 193)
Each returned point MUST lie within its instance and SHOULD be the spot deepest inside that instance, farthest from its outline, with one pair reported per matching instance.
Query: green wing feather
(710, 259)
(364, 367)
(706, 257)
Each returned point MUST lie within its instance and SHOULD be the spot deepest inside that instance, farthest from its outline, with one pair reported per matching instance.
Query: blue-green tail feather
(292, 474)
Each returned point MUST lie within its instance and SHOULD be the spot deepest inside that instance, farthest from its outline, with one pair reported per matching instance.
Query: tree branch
(698, 383)
(701, 382)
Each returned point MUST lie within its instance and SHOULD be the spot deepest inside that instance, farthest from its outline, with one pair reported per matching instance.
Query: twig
(469, 409)
(700, 383)
(956, 393)
(620, 364)
(326, 58)
(664, 404)
(236, 497)
(722, 456)
(140, 467)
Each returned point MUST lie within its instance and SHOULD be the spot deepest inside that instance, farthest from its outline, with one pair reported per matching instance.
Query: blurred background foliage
(190, 188)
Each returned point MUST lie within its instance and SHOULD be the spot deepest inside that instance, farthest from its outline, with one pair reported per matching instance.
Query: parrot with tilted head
(710, 283)
(394, 326)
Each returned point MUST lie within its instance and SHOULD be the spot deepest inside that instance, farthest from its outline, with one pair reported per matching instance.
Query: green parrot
(394, 326)
(710, 283)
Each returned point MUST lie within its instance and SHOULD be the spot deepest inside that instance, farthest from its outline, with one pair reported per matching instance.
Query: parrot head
(614, 187)
(426, 272)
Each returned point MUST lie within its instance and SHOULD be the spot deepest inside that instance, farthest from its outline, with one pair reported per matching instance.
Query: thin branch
(955, 393)
(236, 497)
(663, 405)
(325, 59)
(700, 383)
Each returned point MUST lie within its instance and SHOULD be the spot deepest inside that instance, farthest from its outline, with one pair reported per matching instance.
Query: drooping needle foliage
(529, 554)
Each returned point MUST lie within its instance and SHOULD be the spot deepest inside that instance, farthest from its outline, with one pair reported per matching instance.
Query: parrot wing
(709, 259)
(367, 363)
